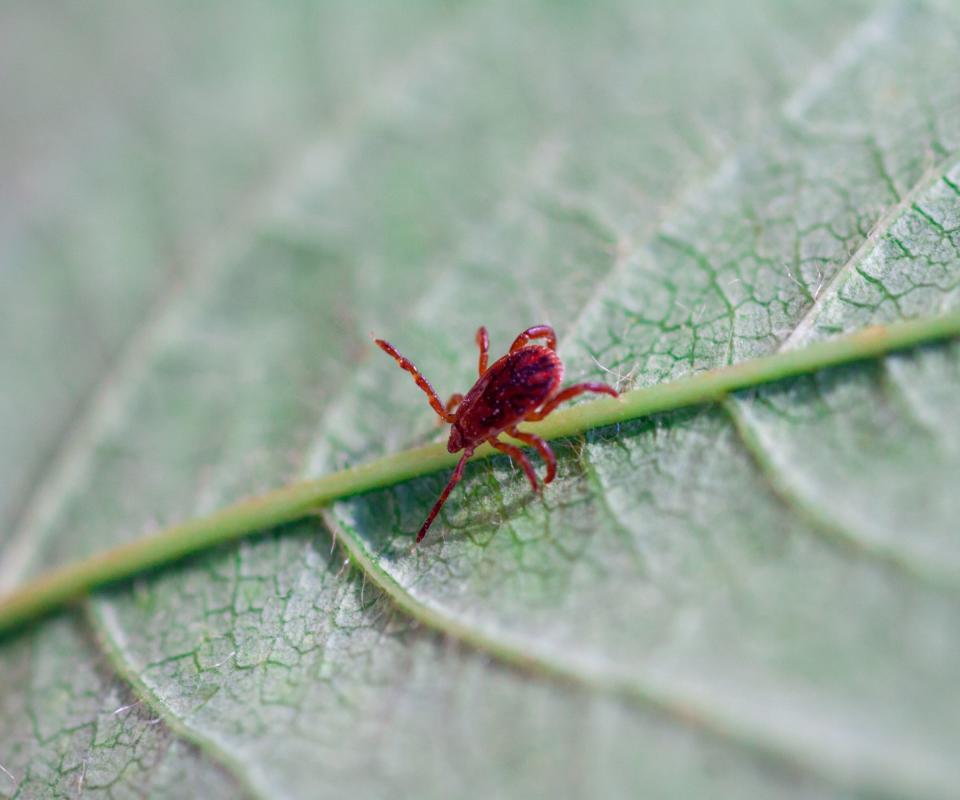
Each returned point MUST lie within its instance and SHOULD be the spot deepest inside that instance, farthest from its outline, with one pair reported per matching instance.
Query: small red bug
(523, 385)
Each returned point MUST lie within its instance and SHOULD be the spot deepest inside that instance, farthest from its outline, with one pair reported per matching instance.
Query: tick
(524, 385)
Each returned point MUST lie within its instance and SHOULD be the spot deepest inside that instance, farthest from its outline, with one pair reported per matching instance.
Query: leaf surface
(732, 561)
(747, 600)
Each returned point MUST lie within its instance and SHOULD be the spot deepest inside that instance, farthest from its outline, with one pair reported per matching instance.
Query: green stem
(51, 590)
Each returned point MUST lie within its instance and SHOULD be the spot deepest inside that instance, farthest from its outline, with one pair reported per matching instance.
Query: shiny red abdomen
(511, 388)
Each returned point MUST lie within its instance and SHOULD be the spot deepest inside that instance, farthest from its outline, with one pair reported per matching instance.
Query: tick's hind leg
(569, 393)
(454, 480)
(536, 332)
(423, 383)
(517, 455)
(542, 448)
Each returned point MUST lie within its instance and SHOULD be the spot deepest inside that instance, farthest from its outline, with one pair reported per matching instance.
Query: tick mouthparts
(455, 442)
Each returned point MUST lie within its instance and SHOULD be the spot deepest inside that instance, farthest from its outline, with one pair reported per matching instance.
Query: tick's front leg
(536, 332)
(451, 408)
(407, 365)
(455, 399)
(483, 342)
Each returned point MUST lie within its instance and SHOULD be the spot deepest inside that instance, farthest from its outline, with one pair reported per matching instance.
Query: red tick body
(503, 396)
(523, 385)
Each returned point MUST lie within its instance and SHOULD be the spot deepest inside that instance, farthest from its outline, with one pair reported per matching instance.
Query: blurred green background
(206, 209)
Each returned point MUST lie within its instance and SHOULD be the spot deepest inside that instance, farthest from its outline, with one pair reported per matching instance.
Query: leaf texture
(753, 599)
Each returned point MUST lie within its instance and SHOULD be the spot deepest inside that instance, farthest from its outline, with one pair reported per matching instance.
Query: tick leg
(568, 393)
(542, 448)
(455, 399)
(451, 407)
(423, 383)
(454, 480)
(483, 342)
(517, 455)
(536, 332)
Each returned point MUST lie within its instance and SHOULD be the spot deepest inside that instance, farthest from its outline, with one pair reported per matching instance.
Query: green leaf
(752, 599)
